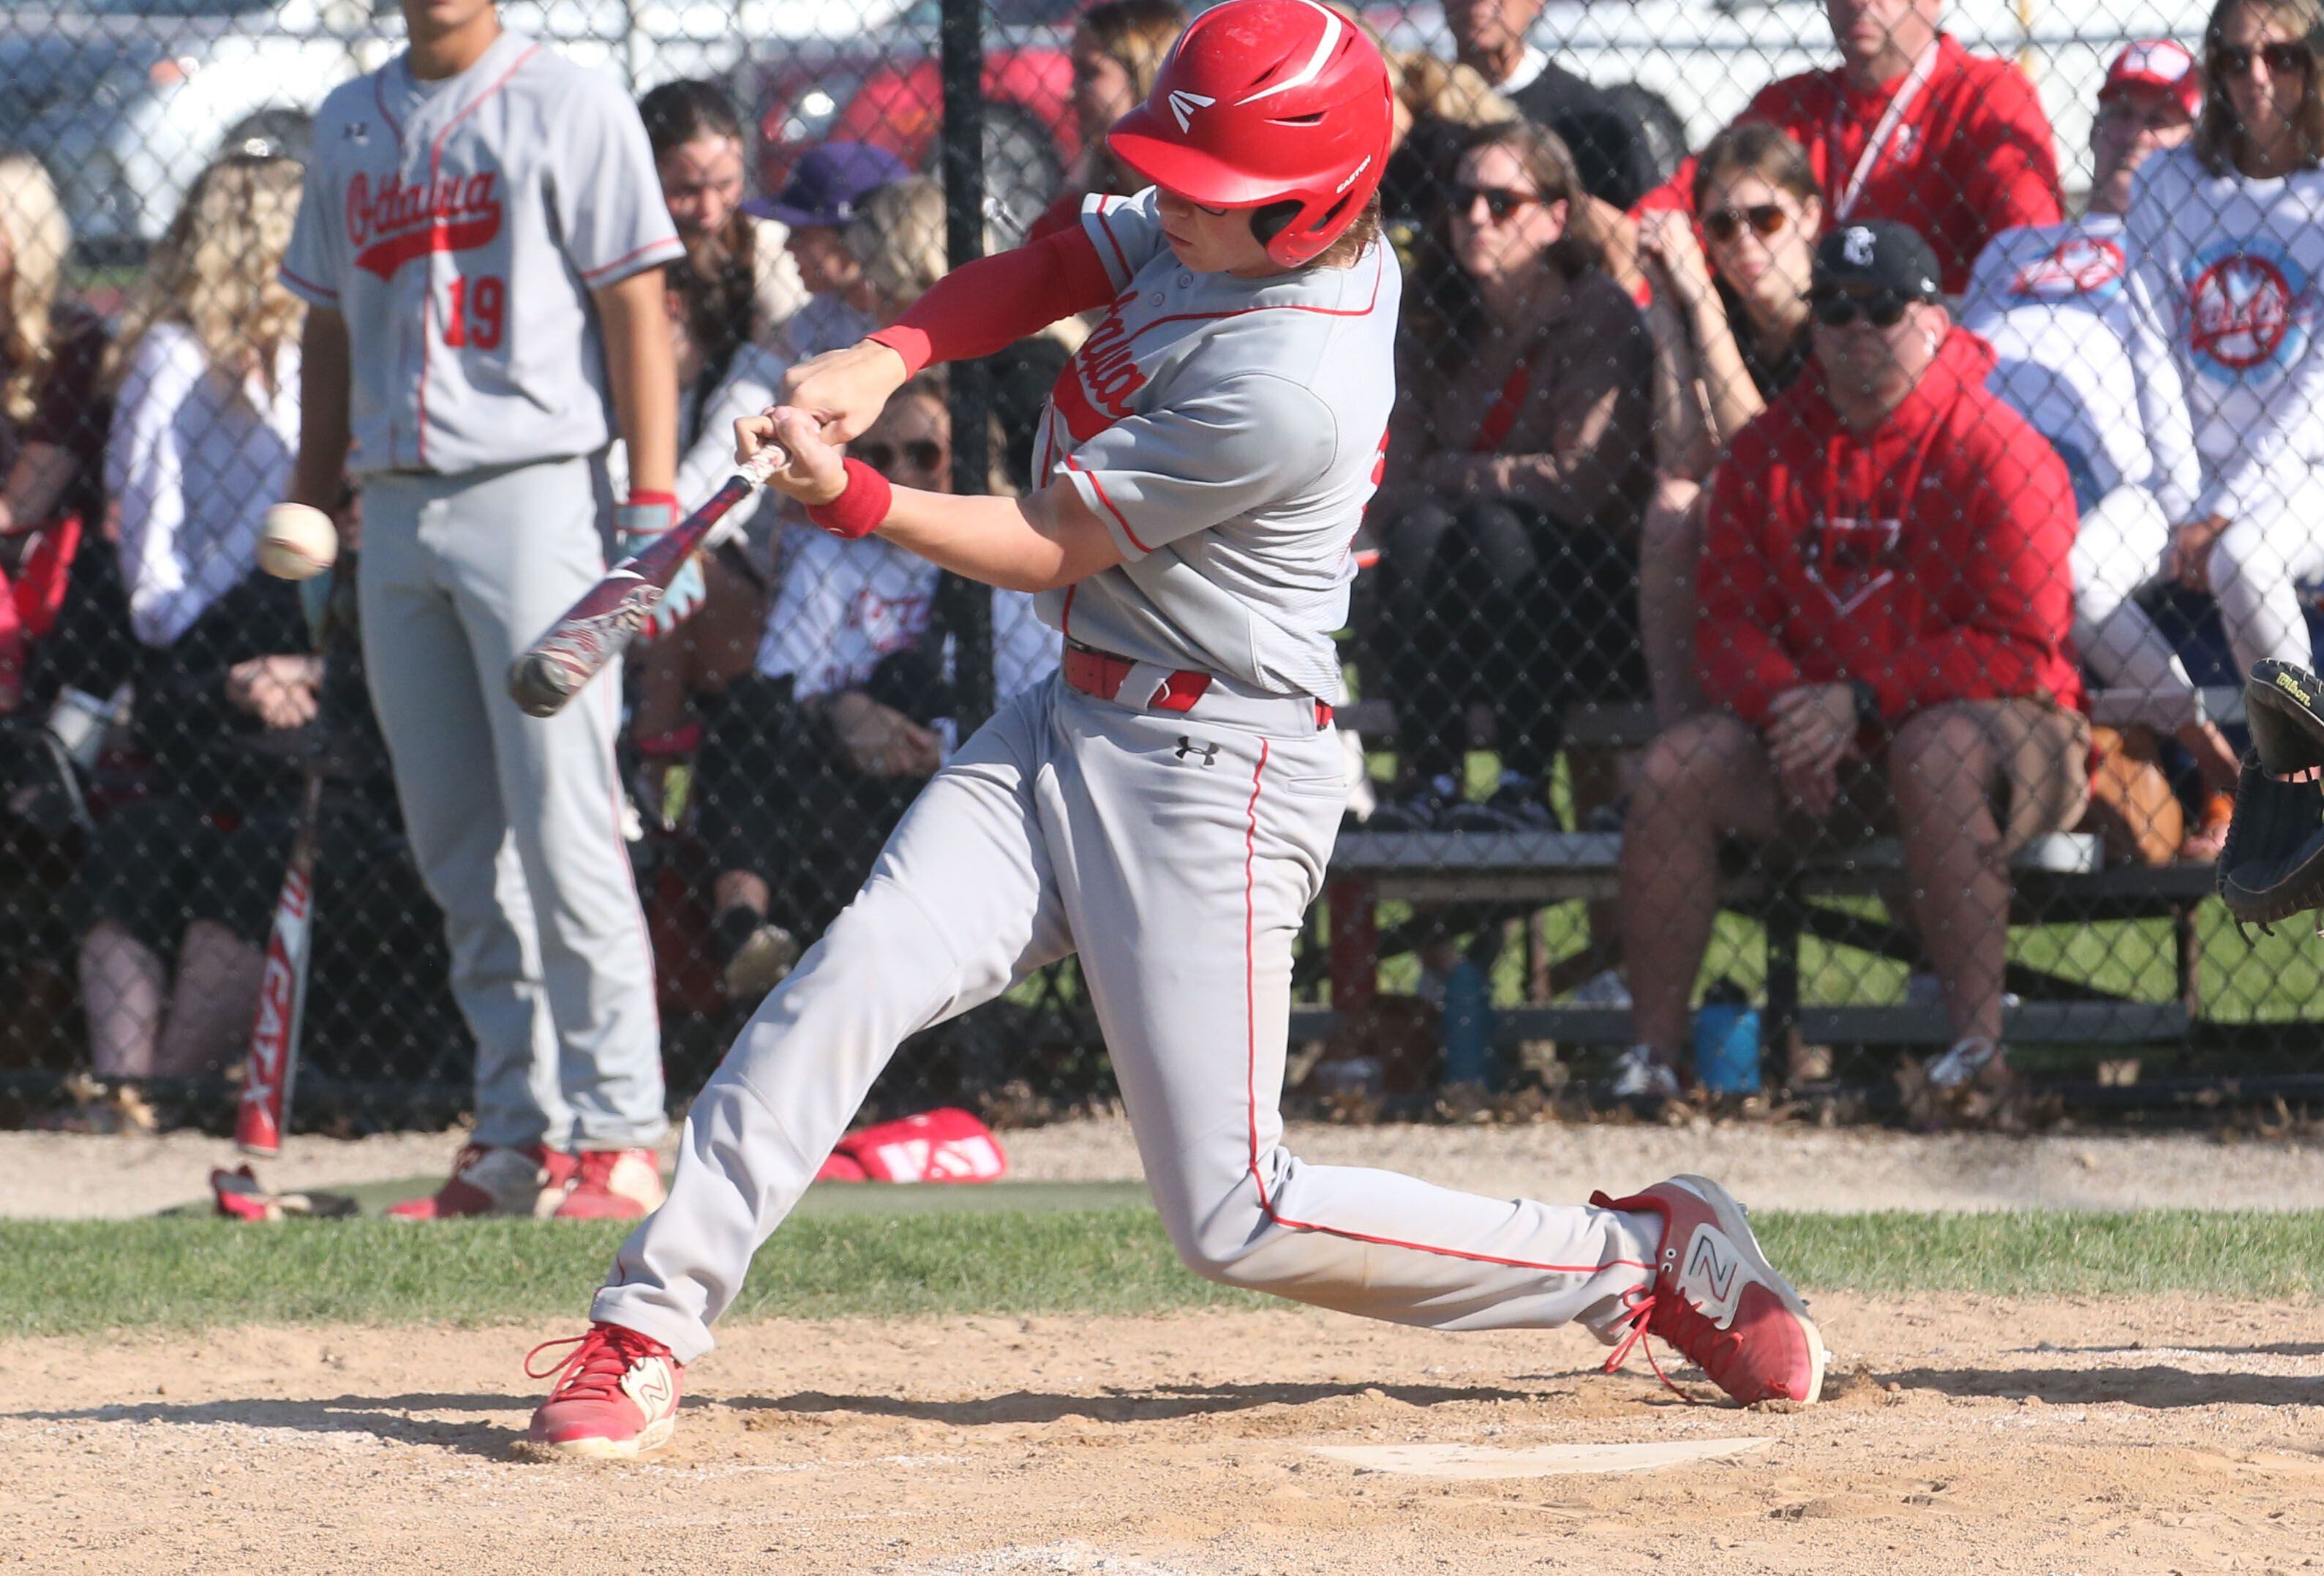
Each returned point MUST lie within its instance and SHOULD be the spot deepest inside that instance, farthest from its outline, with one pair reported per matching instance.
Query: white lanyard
(1891, 118)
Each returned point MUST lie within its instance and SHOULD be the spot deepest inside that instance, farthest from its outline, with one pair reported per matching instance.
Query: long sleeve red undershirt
(985, 307)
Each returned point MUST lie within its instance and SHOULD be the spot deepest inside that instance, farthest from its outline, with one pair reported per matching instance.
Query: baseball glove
(2273, 866)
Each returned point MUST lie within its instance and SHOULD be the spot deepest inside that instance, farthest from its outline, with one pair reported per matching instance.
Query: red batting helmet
(1263, 102)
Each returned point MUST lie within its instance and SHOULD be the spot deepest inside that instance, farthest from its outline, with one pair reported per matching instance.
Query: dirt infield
(1792, 1167)
(1965, 1434)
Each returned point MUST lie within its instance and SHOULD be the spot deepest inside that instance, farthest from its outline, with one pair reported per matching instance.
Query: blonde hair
(898, 234)
(40, 239)
(1444, 90)
(1136, 35)
(2214, 128)
(215, 270)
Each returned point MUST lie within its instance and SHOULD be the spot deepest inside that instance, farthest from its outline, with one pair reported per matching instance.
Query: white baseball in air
(296, 542)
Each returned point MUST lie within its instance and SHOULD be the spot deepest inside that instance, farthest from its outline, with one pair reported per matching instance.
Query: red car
(888, 91)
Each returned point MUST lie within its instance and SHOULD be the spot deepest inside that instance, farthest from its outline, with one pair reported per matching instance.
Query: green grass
(68, 1278)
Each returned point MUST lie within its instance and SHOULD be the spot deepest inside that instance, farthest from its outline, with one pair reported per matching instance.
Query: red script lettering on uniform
(389, 227)
(1094, 391)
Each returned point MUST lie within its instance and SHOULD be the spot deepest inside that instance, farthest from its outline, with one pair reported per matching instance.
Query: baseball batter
(1164, 807)
(482, 246)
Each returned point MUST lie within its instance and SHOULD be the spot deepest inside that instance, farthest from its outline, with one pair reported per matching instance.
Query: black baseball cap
(1876, 256)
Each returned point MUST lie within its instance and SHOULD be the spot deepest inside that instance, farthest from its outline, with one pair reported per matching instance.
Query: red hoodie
(1927, 558)
(1972, 158)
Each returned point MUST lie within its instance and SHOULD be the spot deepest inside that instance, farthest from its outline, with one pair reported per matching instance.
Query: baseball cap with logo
(2159, 63)
(828, 182)
(1876, 256)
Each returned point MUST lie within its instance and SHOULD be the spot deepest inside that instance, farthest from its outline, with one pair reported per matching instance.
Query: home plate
(1543, 1460)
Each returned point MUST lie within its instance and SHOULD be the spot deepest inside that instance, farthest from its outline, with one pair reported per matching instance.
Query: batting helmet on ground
(1264, 103)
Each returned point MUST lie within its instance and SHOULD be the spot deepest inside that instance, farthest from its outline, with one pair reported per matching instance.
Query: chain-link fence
(1839, 473)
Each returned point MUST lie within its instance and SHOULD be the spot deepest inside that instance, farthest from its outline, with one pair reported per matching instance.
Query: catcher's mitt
(2273, 866)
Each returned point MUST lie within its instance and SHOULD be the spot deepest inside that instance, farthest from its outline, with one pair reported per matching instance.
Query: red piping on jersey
(1099, 488)
(1128, 272)
(306, 283)
(1363, 312)
(1065, 613)
(1250, 1076)
(379, 97)
(649, 246)
(427, 300)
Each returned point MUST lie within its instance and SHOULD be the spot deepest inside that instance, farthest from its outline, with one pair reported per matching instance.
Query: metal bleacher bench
(2060, 877)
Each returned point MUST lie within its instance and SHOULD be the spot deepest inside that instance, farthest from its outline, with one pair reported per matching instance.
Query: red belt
(1103, 674)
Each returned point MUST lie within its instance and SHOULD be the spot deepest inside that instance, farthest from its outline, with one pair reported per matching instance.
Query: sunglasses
(923, 455)
(1500, 202)
(1766, 218)
(1838, 310)
(2282, 58)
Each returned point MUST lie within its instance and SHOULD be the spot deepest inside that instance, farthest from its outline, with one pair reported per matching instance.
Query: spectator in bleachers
(1609, 149)
(2056, 302)
(53, 416)
(843, 614)
(815, 206)
(1118, 46)
(2228, 235)
(1521, 455)
(1910, 126)
(1886, 610)
(205, 426)
(726, 337)
(739, 279)
(1730, 325)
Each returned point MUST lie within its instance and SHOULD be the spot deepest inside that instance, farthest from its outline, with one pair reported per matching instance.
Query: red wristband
(913, 345)
(862, 506)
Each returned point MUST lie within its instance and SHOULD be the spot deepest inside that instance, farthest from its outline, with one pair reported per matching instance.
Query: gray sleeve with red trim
(1227, 450)
(1126, 232)
(604, 188)
(314, 265)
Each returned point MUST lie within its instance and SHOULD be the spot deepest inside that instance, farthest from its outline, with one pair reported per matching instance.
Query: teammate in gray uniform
(481, 248)
(1166, 807)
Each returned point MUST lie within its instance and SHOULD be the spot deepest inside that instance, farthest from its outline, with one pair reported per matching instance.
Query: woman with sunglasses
(1730, 329)
(1165, 806)
(1522, 453)
(2228, 233)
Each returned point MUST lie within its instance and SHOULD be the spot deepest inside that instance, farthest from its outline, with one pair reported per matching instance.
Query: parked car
(127, 100)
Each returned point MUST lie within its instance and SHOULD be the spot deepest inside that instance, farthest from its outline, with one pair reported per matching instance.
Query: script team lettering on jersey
(392, 224)
(1093, 391)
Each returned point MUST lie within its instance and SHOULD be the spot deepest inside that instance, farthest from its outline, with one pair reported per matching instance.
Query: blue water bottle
(1727, 1041)
(1467, 1028)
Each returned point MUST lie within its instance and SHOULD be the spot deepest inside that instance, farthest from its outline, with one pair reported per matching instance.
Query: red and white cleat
(614, 1185)
(1716, 1299)
(495, 1180)
(615, 1395)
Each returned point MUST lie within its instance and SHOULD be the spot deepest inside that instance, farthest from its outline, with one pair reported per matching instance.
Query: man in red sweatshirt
(1911, 126)
(1884, 635)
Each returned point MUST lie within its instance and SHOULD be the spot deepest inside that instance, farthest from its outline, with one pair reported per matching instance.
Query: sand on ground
(1786, 1167)
(1961, 1434)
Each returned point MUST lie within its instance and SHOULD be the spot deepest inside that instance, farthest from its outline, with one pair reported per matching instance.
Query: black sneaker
(1514, 806)
(1420, 809)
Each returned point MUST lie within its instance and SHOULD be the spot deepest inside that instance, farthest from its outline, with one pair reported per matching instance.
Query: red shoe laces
(1644, 1304)
(601, 1355)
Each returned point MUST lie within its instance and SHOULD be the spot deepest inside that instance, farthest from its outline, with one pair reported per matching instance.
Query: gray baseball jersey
(1228, 432)
(459, 227)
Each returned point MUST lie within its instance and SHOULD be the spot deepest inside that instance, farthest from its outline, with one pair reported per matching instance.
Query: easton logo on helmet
(1184, 104)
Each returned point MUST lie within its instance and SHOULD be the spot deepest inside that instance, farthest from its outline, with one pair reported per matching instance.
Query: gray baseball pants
(515, 820)
(1175, 853)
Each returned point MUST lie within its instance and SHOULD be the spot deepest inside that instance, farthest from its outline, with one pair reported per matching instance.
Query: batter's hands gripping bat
(594, 630)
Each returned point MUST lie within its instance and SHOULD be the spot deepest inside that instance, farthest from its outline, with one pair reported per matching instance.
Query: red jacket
(1927, 558)
(1975, 155)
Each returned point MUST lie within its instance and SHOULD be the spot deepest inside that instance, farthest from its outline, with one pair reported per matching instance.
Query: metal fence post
(968, 607)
